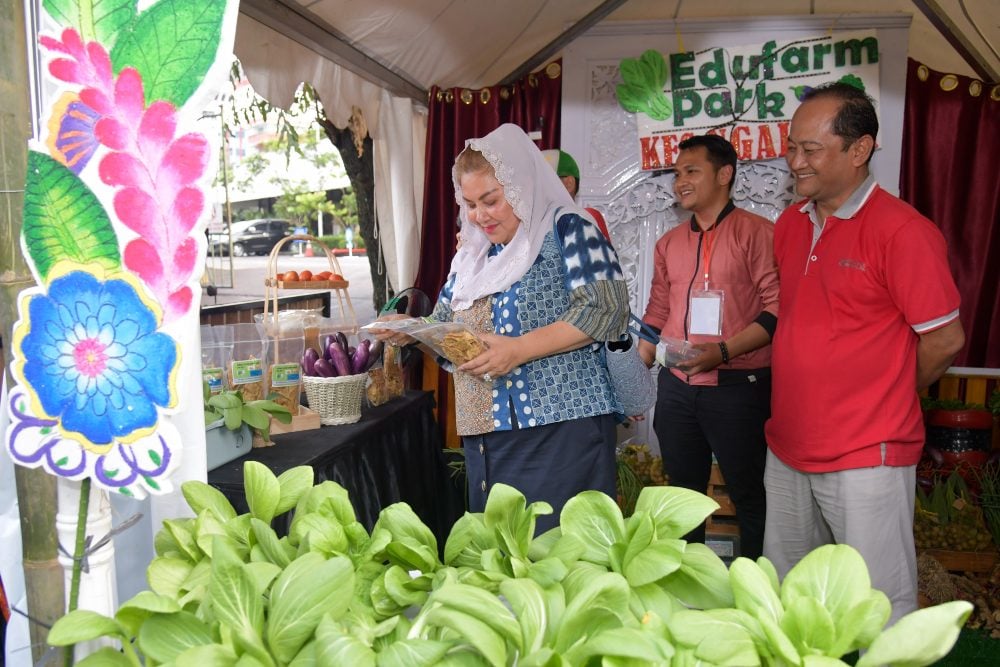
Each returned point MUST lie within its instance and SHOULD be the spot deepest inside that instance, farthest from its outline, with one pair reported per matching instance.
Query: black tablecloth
(393, 454)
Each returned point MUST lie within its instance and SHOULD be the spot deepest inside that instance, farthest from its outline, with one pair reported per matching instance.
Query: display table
(394, 454)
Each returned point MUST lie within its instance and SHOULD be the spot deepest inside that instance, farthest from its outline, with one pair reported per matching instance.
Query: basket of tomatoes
(330, 278)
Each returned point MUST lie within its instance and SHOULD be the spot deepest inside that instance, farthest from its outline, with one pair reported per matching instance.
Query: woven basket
(337, 400)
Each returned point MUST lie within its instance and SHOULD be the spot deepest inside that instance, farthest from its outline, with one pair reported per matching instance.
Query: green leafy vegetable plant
(229, 406)
(599, 589)
(644, 79)
(928, 403)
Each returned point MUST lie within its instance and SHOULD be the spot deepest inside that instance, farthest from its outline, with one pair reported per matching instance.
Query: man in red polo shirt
(869, 315)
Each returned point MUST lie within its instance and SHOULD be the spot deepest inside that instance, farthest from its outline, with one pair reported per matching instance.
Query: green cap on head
(562, 162)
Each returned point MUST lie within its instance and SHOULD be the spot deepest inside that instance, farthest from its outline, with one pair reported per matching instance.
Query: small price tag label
(285, 375)
(246, 371)
(214, 377)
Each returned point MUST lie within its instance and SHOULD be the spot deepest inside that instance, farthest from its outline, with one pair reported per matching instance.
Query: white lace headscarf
(535, 193)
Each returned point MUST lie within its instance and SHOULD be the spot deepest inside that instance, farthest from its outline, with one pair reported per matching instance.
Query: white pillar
(98, 590)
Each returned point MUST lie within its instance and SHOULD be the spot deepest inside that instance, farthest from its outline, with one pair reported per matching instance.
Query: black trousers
(552, 463)
(693, 422)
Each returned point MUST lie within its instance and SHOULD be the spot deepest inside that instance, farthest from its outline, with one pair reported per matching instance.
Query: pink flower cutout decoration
(155, 173)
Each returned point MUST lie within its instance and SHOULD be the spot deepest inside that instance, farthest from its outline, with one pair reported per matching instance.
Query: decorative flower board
(114, 216)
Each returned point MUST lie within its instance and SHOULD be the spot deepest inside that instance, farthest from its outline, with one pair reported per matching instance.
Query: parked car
(250, 237)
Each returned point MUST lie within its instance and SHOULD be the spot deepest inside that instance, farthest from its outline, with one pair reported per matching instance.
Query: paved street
(248, 279)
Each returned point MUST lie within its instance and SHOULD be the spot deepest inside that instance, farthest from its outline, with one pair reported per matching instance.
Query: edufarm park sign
(746, 94)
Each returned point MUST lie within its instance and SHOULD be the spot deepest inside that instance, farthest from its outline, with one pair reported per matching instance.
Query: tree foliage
(301, 208)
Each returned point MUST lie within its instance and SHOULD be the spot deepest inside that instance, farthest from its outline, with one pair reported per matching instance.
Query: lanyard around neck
(706, 252)
(708, 240)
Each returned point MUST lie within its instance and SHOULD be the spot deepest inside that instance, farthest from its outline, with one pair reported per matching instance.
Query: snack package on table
(284, 373)
(450, 340)
(672, 351)
(216, 353)
(246, 366)
(386, 382)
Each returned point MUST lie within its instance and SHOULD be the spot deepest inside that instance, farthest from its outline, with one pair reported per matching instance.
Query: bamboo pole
(36, 490)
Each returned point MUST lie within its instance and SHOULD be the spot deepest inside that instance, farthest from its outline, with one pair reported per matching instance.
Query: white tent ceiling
(382, 56)
(476, 43)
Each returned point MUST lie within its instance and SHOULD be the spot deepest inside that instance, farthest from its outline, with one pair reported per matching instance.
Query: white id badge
(706, 312)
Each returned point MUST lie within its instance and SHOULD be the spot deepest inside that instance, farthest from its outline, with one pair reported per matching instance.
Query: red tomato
(305, 275)
(291, 276)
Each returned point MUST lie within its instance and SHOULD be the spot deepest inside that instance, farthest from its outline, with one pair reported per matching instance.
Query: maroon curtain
(951, 143)
(457, 114)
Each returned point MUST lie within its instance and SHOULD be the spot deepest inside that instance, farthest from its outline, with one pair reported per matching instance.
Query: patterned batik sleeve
(442, 309)
(599, 305)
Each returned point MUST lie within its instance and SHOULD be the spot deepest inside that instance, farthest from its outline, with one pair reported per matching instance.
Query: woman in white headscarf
(540, 285)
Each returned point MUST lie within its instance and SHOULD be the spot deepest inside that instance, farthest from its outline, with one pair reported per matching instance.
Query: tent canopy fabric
(474, 43)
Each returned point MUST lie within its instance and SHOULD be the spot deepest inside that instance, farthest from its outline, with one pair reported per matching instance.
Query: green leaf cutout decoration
(94, 19)
(642, 88)
(172, 45)
(63, 219)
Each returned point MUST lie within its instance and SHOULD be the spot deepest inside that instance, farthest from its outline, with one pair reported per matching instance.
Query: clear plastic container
(672, 351)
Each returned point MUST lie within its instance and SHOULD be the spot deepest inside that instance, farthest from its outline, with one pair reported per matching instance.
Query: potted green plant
(960, 431)
(231, 424)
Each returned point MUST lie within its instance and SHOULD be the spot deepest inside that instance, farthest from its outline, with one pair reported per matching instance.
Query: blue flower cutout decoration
(90, 353)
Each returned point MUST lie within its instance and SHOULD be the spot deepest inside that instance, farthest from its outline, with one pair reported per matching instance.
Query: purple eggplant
(340, 360)
(324, 369)
(359, 360)
(342, 341)
(328, 340)
(309, 358)
(329, 351)
(374, 353)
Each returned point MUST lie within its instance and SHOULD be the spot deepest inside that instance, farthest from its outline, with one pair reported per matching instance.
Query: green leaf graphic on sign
(656, 67)
(642, 90)
(94, 19)
(63, 219)
(172, 45)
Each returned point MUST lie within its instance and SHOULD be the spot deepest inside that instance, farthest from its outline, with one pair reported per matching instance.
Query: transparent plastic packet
(284, 372)
(246, 366)
(285, 322)
(386, 381)
(451, 340)
(672, 351)
(216, 353)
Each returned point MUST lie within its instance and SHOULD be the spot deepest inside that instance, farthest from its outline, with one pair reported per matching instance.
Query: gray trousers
(870, 509)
